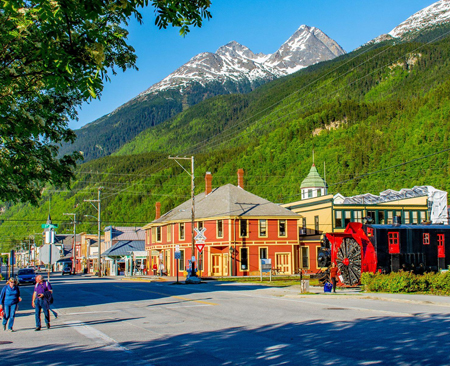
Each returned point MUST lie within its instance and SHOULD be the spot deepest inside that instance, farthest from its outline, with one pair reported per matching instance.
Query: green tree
(55, 55)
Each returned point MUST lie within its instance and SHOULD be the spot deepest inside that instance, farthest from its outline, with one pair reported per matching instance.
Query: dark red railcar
(386, 248)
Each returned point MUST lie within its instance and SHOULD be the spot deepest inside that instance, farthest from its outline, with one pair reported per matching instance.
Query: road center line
(97, 336)
(175, 296)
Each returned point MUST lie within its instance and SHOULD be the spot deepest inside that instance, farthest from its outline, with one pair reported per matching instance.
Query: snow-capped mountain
(233, 68)
(435, 14)
(235, 62)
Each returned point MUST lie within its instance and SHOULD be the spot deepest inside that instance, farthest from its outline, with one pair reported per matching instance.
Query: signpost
(200, 239)
(49, 254)
(177, 257)
(266, 266)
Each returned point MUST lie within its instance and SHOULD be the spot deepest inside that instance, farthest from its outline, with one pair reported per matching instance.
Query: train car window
(423, 215)
(415, 219)
(369, 232)
(426, 239)
(372, 215)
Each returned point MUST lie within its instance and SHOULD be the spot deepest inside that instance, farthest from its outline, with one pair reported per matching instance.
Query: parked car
(26, 275)
(67, 270)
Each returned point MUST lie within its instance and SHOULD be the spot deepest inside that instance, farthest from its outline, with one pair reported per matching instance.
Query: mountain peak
(434, 14)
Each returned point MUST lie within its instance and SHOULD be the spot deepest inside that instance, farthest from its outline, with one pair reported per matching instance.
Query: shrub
(435, 283)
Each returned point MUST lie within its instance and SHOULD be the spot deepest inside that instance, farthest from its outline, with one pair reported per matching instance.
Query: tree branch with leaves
(54, 56)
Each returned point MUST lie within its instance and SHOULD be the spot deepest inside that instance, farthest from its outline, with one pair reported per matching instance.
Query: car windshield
(26, 271)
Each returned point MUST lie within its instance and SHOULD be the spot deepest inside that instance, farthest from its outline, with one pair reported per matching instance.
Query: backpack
(48, 295)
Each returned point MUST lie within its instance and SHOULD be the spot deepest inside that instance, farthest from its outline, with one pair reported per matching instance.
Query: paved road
(107, 321)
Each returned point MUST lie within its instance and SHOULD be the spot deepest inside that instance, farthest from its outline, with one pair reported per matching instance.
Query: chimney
(158, 210)
(208, 185)
(240, 174)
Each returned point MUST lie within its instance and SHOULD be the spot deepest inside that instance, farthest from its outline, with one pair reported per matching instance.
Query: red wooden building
(241, 229)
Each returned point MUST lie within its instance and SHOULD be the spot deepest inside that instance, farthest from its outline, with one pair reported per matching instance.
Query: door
(225, 264)
(216, 264)
(283, 263)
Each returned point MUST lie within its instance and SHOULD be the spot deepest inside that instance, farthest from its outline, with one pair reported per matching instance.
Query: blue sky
(261, 25)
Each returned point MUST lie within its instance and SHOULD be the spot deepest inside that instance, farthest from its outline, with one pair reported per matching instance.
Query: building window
(347, 218)
(305, 258)
(263, 228)
(319, 192)
(262, 253)
(310, 193)
(423, 216)
(200, 225)
(219, 228)
(181, 228)
(380, 217)
(153, 235)
(282, 228)
(169, 233)
(244, 259)
(390, 217)
(358, 216)
(426, 239)
(316, 224)
(303, 231)
(158, 233)
(243, 228)
(372, 215)
(406, 217)
(338, 219)
(393, 242)
(181, 261)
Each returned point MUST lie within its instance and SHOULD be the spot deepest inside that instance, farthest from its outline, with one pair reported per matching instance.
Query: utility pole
(99, 211)
(74, 238)
(176, 158)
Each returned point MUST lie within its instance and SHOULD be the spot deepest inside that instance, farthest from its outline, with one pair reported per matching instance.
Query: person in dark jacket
(9, 299)
(40, 301)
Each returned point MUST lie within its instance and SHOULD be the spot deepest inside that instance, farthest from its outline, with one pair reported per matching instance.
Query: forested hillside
(378, 117)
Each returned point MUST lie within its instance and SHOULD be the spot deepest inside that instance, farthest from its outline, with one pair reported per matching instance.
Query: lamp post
(74, 238)
(99, 210)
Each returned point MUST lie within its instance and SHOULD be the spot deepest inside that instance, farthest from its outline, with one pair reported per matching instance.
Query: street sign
(177, 254)
(177, 248)
(49, 226)
(200, 247)
(44, 254)
(200, 237)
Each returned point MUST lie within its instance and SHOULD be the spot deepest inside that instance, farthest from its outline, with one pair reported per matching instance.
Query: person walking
(333, 275)
(9, 300)
(161, 269)
(40, 301)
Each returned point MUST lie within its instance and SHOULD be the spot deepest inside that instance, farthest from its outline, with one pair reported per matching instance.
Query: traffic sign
(200, 247)
(200, 237)
(44, 254)
(177, 254)
(49, 226)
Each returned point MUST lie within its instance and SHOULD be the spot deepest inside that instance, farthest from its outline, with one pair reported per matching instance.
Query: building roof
(124, 247)
(313, 179)
(226, 201)
(126, 233)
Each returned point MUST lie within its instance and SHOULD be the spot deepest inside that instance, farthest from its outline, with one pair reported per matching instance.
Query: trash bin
(327, 287)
